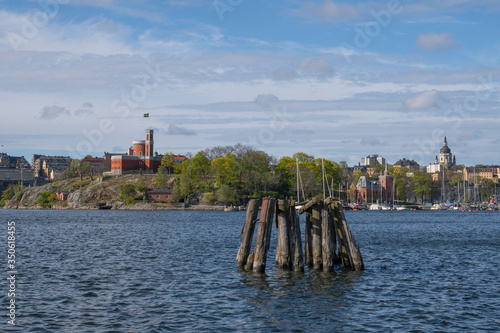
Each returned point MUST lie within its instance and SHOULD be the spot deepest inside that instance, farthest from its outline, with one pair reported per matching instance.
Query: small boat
(438, 207)
(375, 207)
(401, 208)
(230, 209)
(386, 207)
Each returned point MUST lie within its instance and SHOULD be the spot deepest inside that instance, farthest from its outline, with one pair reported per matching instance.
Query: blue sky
(338, 80)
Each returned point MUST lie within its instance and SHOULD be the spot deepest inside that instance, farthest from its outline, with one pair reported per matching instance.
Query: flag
(146, 115)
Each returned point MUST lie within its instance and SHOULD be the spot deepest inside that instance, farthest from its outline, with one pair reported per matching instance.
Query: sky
(334, 79)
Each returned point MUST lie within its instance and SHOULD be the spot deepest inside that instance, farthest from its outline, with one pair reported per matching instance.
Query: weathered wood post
(309, 261)
(264, 235)
(356, 258)
(349, 251)
(328, 235)
(298, 255)
(343, 245)
(316, 237)
(247, 232)
(283, 248)
(308, 240)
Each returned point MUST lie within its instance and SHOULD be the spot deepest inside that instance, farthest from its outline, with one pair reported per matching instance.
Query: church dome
(445, 150)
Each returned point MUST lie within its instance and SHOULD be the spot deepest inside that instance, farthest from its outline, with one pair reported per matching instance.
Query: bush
(209, 198)
(46, 199)
(127, 193)
(13, 191)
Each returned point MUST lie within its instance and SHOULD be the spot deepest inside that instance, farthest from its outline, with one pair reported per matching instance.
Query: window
(150, 196)
(166, 196)
(157, 196)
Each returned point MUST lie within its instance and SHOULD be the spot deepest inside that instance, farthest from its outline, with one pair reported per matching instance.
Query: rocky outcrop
(100, 193)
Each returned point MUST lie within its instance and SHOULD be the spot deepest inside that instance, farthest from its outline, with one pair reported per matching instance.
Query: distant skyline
(338, 80)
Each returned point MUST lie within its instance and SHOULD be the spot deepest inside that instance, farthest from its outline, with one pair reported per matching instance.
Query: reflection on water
(112, 271)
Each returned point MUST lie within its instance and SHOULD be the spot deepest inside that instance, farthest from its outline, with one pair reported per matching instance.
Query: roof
(160, 191)
(405, 162)
(93, 160)
(365, 183)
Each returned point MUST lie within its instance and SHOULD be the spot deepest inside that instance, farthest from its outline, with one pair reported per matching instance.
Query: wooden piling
(349, 251)
(298, 254)
(355, 254)
(283, 248)
(328, 235)
(308, 240)
(247, 233)
(263, 235)
(316, 237)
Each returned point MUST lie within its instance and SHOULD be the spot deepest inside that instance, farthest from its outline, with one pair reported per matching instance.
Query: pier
(328, 240)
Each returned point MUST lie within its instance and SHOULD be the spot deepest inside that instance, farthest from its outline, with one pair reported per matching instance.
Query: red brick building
(161, 194)
(140, 157)
(380, 190)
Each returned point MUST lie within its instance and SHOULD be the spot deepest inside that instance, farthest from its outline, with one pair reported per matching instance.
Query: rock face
(83, 194)
(96, 194)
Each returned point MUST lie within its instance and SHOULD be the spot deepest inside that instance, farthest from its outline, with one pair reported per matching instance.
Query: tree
(13, 191)
(127, 193)
(201, 172)
(141, 187)
(162, 177)
(422, 184)
(168, 162)
(225, 194)
(183, 185)
(225, 169)
(46, 199)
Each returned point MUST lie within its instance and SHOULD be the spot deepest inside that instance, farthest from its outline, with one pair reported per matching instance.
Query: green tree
(13, 191)
(46, 199)
(141, 187)
(183, 185)
(225, 169)
(162, 177)
(422, 185)
(168, 162)
(127, 193)
(225, 195)
(201, 172)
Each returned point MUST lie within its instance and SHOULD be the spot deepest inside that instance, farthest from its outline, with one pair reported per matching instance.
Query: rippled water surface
(109, 271)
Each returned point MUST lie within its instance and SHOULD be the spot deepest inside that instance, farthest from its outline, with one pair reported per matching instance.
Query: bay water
(175, 271)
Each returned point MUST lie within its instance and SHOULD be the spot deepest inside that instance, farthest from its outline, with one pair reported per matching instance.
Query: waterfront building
(446, 158)
(411, 165)
(375, 190)
(140, 157)
(368, 160)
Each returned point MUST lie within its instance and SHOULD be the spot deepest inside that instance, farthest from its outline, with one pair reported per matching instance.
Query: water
(111, 271)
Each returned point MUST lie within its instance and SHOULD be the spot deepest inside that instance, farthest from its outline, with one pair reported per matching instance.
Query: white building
(366, 161)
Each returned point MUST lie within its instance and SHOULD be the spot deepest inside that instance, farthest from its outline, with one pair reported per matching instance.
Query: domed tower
(446, 158)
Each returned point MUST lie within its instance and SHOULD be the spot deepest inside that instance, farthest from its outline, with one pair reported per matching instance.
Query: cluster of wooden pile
(328, 240)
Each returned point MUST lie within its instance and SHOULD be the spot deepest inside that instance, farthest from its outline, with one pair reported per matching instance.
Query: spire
(386, 172)
(445, 143)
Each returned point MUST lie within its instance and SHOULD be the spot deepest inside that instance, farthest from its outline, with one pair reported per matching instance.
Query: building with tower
(140, 157)
(444, 160)
(380, 190)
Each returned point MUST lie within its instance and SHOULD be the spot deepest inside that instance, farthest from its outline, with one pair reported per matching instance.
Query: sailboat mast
(323, 170)
(298, 177)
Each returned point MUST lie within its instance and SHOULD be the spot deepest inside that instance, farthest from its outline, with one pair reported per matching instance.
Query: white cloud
(284, 74)
(435, 41)
(423, 101)
(317, 66)
(267, 100)
(178, 130)
(329, 11)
